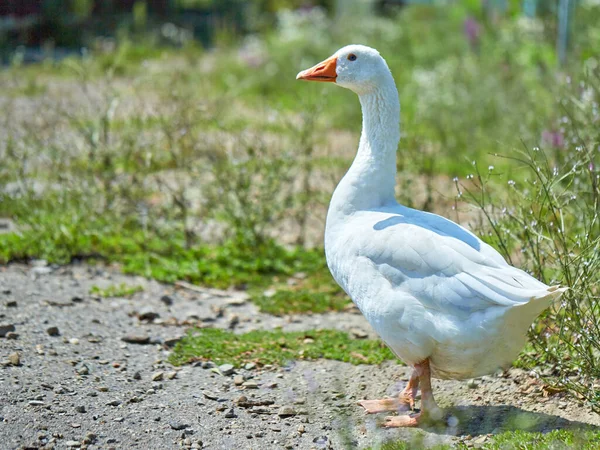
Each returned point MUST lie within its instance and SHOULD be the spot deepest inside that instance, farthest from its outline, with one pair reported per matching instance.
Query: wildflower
(553, 138)
(472, 31)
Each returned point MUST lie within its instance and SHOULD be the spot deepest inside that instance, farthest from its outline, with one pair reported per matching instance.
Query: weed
(276, 347)
(116, 290)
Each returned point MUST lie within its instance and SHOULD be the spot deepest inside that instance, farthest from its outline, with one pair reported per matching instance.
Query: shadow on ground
(478, 420)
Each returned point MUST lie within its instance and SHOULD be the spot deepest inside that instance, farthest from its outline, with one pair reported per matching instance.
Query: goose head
(355, 67)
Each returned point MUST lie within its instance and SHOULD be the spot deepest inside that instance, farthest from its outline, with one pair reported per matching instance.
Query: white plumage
(436, 294)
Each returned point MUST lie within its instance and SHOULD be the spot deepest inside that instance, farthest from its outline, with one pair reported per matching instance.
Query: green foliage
(548, 221)
(116, 290)
(516, 440)
(315, 293)
(276, 347)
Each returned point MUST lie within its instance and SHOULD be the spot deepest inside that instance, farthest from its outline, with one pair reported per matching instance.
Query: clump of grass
(317, 293)
(509, 440)
(116, 290)
(276, 347)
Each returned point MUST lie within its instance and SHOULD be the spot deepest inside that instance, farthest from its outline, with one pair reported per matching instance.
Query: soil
(78, 384)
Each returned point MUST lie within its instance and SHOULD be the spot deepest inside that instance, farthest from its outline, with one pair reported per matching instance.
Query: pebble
(36, 403)
(74, 341)
(226, 369)
(114, 403)
(158, 376)
(53, 331)
(83, 370)
(80, 409)
(230, 414)
(300, 401)
(250, 385)
(472, 384)
(12, 335)
(238, 380)
(250, 366)
(210, 395)
(6, 328)
(14, 359)
(11, 304)
(136, 339)
(167, 300)
(301, 429)
(119, 419)
(148, 316)
(286, 411)
(137, 376)
(72, 444)
(171, 375)
(178, 426)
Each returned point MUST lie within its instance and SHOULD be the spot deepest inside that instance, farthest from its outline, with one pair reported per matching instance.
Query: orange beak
(324, 71)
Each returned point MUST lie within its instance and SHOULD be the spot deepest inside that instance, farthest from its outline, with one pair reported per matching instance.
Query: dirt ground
(93, 373)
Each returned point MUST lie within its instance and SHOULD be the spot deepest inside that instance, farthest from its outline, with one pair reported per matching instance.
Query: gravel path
(68, 379)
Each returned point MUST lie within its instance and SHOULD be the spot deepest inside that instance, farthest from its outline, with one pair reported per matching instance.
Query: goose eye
(351, 57)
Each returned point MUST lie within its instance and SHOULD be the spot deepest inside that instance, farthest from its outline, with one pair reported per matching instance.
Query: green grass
(276, 347)
(315, 293)
(116, 290)
(514, 440)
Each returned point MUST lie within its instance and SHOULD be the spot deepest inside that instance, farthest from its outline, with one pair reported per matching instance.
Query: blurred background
(170, 139)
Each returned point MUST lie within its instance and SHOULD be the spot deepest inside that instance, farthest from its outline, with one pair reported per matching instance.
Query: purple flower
(472, 31)
(553, 138)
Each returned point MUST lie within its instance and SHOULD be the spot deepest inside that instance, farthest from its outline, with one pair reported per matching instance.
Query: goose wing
(444, 266)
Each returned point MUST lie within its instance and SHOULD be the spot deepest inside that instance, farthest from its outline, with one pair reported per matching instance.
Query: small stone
(74, 341)
(53, 331)
(119, 419)
(210, 395)
(148, 316)
(83, 370)
(90, 438)
(178, 426)
(250, 384)
(14, 359)
(230, 414)
(76, 299)
(6, 328)
(301, 429)
(11, 304)
(137, 376)
(136, 339)
(238, 380)
(472, 384)
(72, 444)
(286, 411)
(114, 403)
(300, 401)
(226, 369)
(76, 425)
(158, 376)
(36, 403)
(358, 333)
(12, 335)
(250, 366)
(167, 300)
(171, 375)
(80, 409)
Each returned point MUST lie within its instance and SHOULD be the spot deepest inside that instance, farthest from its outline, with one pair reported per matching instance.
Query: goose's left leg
(429, 408)
(405, 400)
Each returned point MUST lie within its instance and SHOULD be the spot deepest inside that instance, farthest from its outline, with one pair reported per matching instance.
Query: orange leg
(405, 401)
(429, 409)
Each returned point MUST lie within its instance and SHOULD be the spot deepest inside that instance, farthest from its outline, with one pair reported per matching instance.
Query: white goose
(444, 301)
